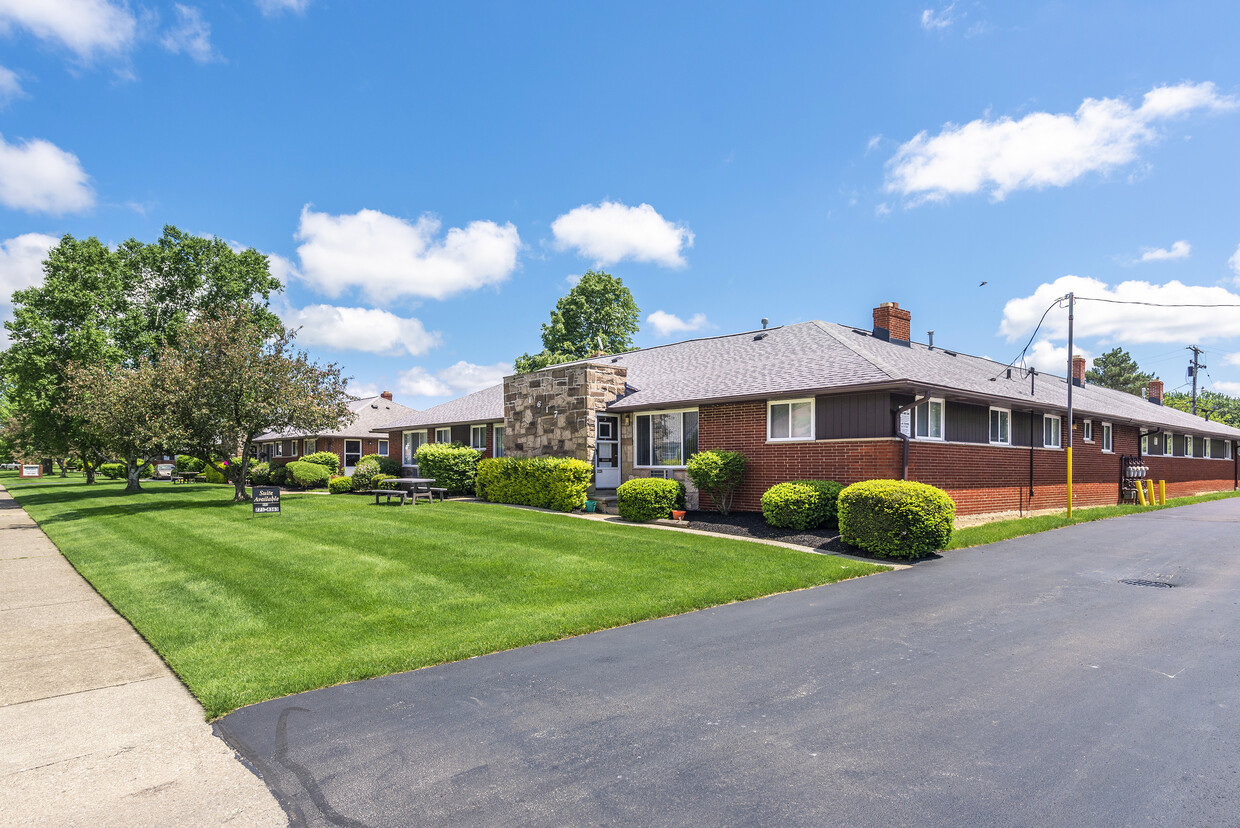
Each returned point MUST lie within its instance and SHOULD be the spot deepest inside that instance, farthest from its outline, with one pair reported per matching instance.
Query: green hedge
(279, 474)
(340, 485)
(453, 467)
(324, 458)
(189, 465)
(896, 518)
(260, 474)
(719, 474)
(649, 498)
(558, 483)
(801, 504)
(387, 465)
(307, 475)
(112, 471)
(364, 474)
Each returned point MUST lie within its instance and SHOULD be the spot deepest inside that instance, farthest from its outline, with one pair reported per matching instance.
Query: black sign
(266, 500)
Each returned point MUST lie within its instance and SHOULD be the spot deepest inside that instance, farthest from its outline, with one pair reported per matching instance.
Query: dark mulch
(753, 525)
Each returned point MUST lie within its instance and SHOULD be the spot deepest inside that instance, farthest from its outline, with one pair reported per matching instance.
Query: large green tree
(122, 410)
(1210, 404)
(1117, 369)
(598, 314)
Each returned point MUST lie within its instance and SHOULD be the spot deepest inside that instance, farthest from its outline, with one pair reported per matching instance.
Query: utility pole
(1197, 366)
(1071, 380)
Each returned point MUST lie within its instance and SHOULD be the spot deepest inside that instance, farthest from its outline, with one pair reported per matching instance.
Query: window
(1188, 445)
(666, 438)
(1106, 436)
(1227, 450)
(1145, 444)
(1001, 427)
(790, 420)
(928, 420)
(443, 435)
(279, 450)
(311, 446)
(1087, 431)
(478, 437)
(1051, 438)
(409, 443)
(292, 448)
(383, 452)
(498, 439)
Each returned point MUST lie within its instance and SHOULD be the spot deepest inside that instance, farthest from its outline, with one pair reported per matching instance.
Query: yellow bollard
(1141, 492)
(1153, 497)
(1162, 492)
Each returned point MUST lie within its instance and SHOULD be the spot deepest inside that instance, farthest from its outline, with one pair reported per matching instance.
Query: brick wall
(395, 447)
(980, 478)
(370, 445)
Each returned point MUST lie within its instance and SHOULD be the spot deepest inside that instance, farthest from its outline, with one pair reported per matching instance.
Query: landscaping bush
(146, 471)
(649, 498)
(112, 471)
(340, 485)
(260, 474)
(387, 465)
(324, 458)
(896, 518)
(719, 474)
(189, 465)
(307, 475)
(558, 483)
(364, 475)
(279, 474)
(212, 476)
(453, 467)
(801, 504)
(383, 481)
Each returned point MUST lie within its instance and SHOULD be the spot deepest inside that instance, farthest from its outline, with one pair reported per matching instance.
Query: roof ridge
(877, 363)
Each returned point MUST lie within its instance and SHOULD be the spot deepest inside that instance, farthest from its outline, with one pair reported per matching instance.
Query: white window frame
(1188, 445)
(790, 439)
(382, 449)
(442, 431)
(1000, 411)
(497, 441)
(279, 452)
(929, 401)
(1227, 449)
(1087, 430)
(413, 455)
(1145, 445)
(1058, 432)
(309, 446)
(1108, 438)
(473, 431)
(681, 411)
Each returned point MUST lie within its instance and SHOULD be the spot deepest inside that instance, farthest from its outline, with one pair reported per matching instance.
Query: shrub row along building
(823, 401)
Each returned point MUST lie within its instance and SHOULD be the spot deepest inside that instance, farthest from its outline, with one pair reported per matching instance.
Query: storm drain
(1146, 582)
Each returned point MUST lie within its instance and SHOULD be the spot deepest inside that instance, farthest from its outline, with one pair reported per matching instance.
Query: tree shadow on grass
(81, 502)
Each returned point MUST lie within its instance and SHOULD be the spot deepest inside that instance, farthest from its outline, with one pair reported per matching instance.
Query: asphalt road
(1016, 684)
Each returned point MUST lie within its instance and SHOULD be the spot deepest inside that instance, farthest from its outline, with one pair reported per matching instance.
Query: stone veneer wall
(550, 413)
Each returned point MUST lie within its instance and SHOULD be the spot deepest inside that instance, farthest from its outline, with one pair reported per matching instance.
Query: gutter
(895, 427)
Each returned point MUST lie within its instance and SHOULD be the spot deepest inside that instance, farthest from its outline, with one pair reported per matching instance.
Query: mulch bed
(753, 525)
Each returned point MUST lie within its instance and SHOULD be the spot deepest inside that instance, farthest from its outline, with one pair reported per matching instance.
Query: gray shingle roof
(485, 406)
(368, 414)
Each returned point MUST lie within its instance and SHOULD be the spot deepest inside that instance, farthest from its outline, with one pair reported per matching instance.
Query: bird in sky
(983, 283)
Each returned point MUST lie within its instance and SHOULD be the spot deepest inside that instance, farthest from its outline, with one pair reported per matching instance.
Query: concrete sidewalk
(95, 730)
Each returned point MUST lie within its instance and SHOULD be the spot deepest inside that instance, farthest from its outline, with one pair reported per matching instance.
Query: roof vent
(614, 360)
(765, 322)
(931, 335)
(759, 336)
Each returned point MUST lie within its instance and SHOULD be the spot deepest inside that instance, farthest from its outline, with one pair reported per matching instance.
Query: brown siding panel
(841, 416)
(967, 423)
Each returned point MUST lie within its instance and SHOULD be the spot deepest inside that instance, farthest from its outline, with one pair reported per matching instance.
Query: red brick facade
(370, 445)
(980, 478)
(460, 434)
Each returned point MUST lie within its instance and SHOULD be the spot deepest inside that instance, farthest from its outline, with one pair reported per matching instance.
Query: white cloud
(1226, 387)
(610, 232)
(934, 21)
(362, 390)
(361, 329)
(455, 380)
(387, 257)
(1232, 359)
(191, 35)
(1234, 263)
(21, 262)
(274, 7)
(1041, 149)
(873, 143)
(86, 27)
(667, 324)
(573, 278)
(1179, 250)
(40, 177)
(10, 87)
(281, 268)
(1050, 358)
(1125, 324)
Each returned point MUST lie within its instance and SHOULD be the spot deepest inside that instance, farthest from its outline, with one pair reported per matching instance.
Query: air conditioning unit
(666, 474)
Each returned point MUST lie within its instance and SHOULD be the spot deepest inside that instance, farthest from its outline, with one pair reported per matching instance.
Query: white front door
(352, 453)
(607, 452)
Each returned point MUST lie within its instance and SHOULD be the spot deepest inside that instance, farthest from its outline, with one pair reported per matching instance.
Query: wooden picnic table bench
(389, 494)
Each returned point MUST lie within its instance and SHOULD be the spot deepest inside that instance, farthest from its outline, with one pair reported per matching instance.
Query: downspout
(895, 427)
(1031, 436)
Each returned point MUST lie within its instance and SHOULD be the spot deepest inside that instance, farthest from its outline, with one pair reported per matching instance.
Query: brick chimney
(1078, 370)
(1156, 392)
(892, 324)
(387, 395)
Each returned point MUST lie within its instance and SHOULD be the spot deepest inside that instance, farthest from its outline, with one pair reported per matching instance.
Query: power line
(1057, 303)
(1153, 304)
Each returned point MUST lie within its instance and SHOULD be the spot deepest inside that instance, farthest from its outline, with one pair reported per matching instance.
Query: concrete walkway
(95, 730)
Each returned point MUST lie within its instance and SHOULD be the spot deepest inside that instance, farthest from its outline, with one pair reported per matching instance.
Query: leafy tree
(121, 410)
(597, 314)
(1212, 405)
(230, 379)
(1117, 369)
(719, 474)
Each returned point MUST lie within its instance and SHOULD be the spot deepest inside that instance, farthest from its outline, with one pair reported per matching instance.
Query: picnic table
(187, 477)
(418, 487)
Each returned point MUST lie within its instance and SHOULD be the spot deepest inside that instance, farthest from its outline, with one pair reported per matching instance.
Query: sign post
(266, 500)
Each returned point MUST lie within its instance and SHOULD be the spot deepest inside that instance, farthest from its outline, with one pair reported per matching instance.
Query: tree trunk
(239, 470)
(133, 470)
(89, 468)
(64, 467)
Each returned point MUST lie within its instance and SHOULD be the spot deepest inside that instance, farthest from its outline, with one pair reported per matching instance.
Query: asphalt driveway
(1017, 684)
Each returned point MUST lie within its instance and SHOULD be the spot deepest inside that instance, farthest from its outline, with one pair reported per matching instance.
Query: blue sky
(429, 177)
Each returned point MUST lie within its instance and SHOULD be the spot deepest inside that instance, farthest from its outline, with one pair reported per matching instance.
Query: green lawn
(335, 589)
(1004, 529)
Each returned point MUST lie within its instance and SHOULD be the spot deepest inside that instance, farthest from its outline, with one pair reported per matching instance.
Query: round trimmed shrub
(307, 475)
(387, 465)
(278, 474)
(896, 518)
(382, 481)
(719, 474)
(189, 465)
(260, 474)
(801, 504)
(326, 459)
(364, 474)
(340, 485)
(112, 471)
(649, 498)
